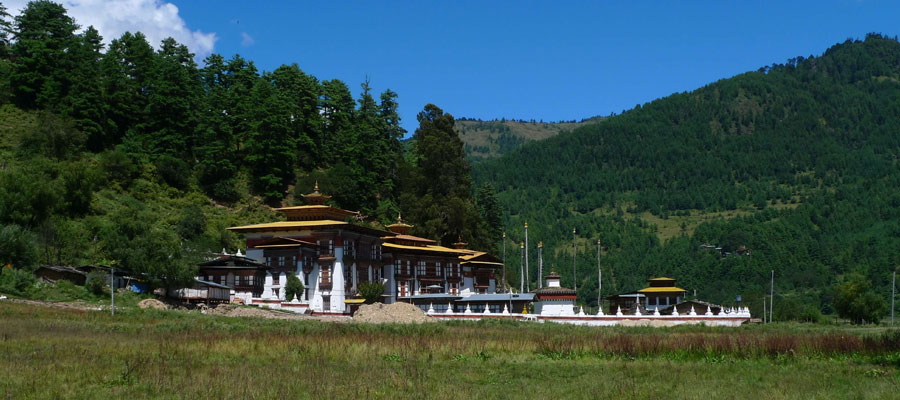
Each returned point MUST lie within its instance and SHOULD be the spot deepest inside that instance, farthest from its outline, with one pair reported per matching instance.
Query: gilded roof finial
(526, 224)
(399, 220)
(316, 188)
(540, 244)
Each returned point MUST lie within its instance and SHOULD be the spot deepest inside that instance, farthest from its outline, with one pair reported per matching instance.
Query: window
(249, 280)
(420, 268)
(454, 288)
(222, 279)
(376, 274)
(350, 248)
(453, 270)
(496, 308)
(403, 288)
(281, 261)
(376, 252)
(326, 247)
(269, 261)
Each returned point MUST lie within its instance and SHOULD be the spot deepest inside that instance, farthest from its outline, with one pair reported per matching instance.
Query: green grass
(64, 353)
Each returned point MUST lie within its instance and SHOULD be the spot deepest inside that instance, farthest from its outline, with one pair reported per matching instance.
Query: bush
(96, 282)
(371, 291)
(175, 172)
(17, 247)
(293, 288)
(15, 281)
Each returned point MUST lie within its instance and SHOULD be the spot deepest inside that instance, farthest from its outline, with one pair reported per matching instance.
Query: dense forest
(803, 155)
(138, 157)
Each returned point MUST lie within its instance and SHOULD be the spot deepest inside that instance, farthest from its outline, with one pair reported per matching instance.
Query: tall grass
(46, 352)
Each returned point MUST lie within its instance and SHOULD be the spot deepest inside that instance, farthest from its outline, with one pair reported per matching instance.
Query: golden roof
(660, 279)
(661, 289)
(400, 223)
(287, 225)
(410, 238)
(433, 249)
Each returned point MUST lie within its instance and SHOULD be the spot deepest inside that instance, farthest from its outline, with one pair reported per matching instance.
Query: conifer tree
(45, 36)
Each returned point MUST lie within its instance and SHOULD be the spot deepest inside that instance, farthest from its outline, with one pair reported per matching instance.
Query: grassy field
(69, 353)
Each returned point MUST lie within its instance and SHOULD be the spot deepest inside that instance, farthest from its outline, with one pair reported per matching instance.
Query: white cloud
(246, 40)
(154, 18)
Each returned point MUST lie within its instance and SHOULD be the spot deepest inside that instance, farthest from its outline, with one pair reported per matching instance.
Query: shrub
(96, 282)
(17, 247)
(15, 281)
(293, 288)
(371, 291)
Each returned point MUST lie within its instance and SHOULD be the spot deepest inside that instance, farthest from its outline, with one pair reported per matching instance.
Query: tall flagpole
(574, 266)
(599, 275)
(527, 275)
(522, 268)
(504, 262)
(540, 282)
(893, 285)
(772, 297)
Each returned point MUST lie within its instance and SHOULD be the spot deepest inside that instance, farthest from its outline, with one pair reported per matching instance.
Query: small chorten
(552, 279)
(459, 245)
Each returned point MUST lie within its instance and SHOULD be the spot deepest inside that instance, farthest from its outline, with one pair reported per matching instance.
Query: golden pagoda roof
(315, 197)
(660, 279)
(431, 249)
(400, 223)
(410, 238)
(661, 289)
(287, 225)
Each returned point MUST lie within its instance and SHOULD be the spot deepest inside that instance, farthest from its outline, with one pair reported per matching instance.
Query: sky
(550, 61)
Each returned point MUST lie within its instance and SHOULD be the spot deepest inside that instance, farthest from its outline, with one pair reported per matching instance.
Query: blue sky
(527, 59)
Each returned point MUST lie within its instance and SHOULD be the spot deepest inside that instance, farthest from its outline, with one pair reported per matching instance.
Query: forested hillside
(138, 157)
(797, 162)
(494, 138)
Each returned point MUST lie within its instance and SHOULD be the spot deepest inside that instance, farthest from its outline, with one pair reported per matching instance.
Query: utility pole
(522, 268)
(504, 262)
(599, 276)
(764, 309)
(527, 275)
(574, 267)
(540, 282)
(772, 297)
(893, 285)
(112, 290)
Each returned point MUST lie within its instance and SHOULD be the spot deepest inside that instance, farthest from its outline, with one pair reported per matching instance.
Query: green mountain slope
(797, 162)
(491, 139)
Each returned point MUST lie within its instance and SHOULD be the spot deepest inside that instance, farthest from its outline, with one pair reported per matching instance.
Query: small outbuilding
(202, 292)
(53, 273)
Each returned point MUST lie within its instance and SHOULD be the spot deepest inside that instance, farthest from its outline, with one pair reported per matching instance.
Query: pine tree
(85, 103)
(302, 91)
(127, 67)
(174, 96)
(45, 37)
(271, 150)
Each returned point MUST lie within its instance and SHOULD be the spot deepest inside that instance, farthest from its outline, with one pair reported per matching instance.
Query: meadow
(70, 353)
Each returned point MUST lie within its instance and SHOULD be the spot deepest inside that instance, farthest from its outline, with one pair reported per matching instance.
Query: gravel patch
(403, 313)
